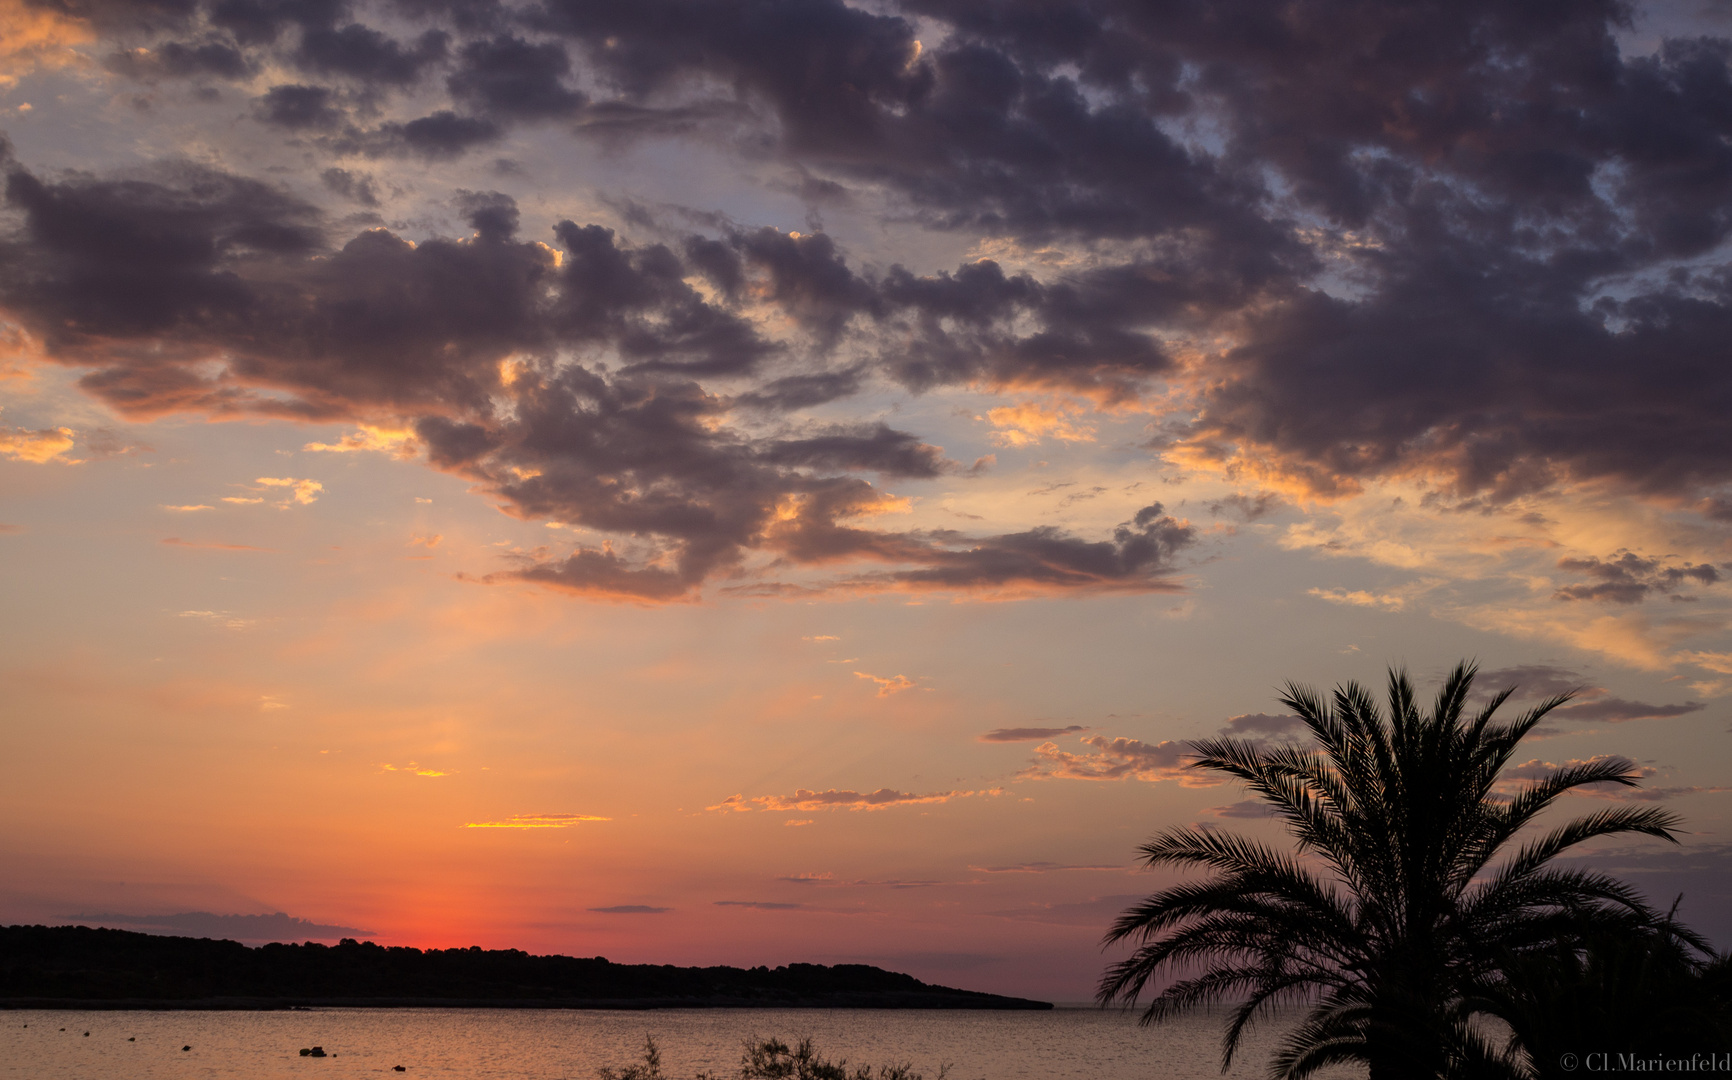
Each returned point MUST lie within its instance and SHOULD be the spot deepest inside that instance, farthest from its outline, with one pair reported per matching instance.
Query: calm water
(556, 1044)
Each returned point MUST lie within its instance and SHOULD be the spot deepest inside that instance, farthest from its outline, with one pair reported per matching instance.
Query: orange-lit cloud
(1027, 423)
(34, 36)
(834, 799)
(36, 447)
(887, 686)
(399, 442)
(302, 491)
(1117, 759)
(1359, 598)
(415, 769)
(187, 509)
(536, 821)
(175, 541)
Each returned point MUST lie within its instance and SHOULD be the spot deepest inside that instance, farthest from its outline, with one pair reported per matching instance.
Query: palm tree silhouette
(1404, 896)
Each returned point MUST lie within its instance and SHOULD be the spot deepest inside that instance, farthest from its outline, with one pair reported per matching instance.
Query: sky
(757, 481)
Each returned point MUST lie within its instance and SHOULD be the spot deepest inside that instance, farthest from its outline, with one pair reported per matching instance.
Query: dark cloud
(1028, 734)
(214, 56)
(1405, 219)
(1043, 868)
(261, 22)
(438, 136)
(1245, 808)
(1627, 578)
(1248, 507)
(509, 76)
(1616, 710)
(351, 185)
(631, 909)
(243, 928)
(297, 107)
(364, 53)
(761, 905)
(1467, 243)
(1589, 704)
(1262, 725)
(1531, 680)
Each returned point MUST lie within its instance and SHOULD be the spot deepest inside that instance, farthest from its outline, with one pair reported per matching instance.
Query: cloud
(304, 492)
(1041, 868)
(1359, 598)
(1488, 269)
(1590, 704)
(631, 909)
(1617, 710)
(175, 541)
(35, 447)
(1028, 734)
(1097, 911)
(1628, 578)
(887, 685)
(759, 905)
(1261, 725)
(833, 799)
(189, 509)
(527, 821)
(1245, 808)
(399, 442)
(245, 928)
(1115, 759)
(414, 769)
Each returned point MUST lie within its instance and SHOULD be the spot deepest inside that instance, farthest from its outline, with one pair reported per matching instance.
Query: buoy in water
(185, 1048)
(399, 1068)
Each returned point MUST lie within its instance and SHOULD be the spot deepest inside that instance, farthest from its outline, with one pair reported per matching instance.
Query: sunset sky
(753, 481)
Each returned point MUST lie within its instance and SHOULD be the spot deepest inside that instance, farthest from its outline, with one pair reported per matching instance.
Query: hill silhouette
(76, 966)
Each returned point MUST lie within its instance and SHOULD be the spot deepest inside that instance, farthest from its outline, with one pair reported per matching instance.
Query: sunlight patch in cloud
(415, 769)
(1026, 423)
(36, 447)
(1359, 598)
(304, 492)
(399, 442)
(894, 684)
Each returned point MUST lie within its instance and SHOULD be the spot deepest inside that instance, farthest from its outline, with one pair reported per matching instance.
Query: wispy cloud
(415, 769)
(631, 909)
(888, 685)
(1359, 598)
(1028, 734)
(1043, 868)
(531, 821)
(834, 799)
(175, 541)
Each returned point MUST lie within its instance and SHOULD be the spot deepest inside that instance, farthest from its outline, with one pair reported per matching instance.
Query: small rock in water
(399, 1068)
(185, 1048)
(132, 1038)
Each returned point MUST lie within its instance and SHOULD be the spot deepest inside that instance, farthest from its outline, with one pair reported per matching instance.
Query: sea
(1084, 1043)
